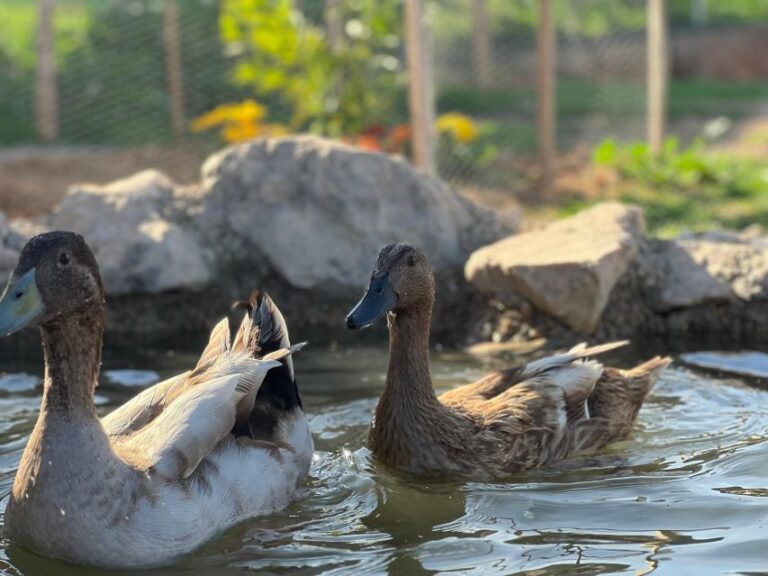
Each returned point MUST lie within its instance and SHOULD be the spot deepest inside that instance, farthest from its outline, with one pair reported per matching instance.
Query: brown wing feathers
(598, 405)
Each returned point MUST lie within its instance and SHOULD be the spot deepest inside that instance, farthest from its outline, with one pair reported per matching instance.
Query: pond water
(686, 494)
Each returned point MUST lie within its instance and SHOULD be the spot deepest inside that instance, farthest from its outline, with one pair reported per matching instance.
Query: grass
(686, 188)
(574, 98)
(710, 98)
(687, 98)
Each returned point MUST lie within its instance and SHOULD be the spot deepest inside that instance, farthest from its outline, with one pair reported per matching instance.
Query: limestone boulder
(315, 213)
(685, 279)
(567, 269)
(136, 230)
(736, 261)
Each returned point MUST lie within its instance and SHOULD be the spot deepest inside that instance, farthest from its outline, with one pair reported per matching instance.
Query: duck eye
(64, 259)
(411, 261)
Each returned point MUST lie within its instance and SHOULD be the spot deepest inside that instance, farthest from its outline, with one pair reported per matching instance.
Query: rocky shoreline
(304, 218)
(612, 280)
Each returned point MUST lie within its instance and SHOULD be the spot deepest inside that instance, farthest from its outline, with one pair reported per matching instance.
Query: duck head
(401, 282)
(56, 277)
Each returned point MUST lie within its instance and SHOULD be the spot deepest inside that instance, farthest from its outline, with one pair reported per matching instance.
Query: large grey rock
(133, 226)
(567, 269)
(316, 212)
(738, 261)
(685, 278)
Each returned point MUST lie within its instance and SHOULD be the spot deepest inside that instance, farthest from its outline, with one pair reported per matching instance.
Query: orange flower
(400, 134)
(365, 142)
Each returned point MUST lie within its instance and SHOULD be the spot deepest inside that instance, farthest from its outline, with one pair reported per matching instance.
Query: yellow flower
(210, 119)
(240, 121)
(237, 132)
(246, 111)
(461, 127)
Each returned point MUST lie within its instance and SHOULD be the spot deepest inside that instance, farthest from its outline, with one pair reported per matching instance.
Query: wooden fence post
(420, 87)
(547, 87)
(46, 93)
(657, 74)
(333, 24)
(481, 44)
(173, 68)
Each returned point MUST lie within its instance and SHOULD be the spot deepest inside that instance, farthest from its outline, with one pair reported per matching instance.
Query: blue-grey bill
(379, 299)
(20, 305)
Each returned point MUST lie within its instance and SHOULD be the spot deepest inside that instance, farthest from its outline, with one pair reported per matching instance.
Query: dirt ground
(34, 180)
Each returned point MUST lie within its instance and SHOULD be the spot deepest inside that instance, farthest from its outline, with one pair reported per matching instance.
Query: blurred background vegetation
(337, 68)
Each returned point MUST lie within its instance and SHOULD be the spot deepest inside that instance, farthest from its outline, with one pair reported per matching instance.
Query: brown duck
(506, 422)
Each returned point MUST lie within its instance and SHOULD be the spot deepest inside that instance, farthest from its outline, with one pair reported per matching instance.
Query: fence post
(420, 87)
(173, 68)
(657, 74)
(547, 87)
(333, 24)
(481, 43)
(46, 93)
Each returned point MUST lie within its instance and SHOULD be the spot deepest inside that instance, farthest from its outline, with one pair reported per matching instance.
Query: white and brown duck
(173, 467)
(506, 422)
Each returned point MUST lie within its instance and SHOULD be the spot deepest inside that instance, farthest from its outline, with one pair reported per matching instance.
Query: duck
(180, 463)
(505, 423)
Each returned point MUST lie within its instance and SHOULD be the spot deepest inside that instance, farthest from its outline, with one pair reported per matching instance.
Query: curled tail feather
(641, 378)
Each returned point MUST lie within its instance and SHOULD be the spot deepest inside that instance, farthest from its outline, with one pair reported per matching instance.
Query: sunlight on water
(686, 494)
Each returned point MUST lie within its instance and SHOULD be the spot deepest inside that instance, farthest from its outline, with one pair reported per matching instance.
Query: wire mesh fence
(337, 67)
(489, 73)
(111, 71)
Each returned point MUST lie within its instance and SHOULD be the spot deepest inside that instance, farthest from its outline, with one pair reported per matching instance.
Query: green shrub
(334, 90)
(689, 187)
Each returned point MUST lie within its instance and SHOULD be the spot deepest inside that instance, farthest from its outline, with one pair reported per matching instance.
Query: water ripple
(683, 494)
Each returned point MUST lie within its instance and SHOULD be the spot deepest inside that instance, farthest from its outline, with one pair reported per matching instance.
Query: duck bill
(20, 304)
(379, 299)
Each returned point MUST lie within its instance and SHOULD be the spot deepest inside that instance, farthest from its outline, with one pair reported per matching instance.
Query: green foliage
(17, 59)
(730, 12)
(702, 98)
(19, 19)
(689, 187)
(16, 98)
(111, 69)
(334, 90)
(468, 161)
(113, 86)
(687, 98)
(516, 19)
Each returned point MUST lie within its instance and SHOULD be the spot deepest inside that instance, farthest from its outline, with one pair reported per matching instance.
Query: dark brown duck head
(402, 283)
(56, 278)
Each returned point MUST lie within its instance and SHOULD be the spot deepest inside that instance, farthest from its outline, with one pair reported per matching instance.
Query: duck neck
(409, 417)
(409, 381)
(72, 348)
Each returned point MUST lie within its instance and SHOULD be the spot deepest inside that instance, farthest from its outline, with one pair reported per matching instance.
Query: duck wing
(142, 408)
(547, 394)
(202, 414)
(557, 405)
(148, 404)
(499, 382)
(218, 343)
